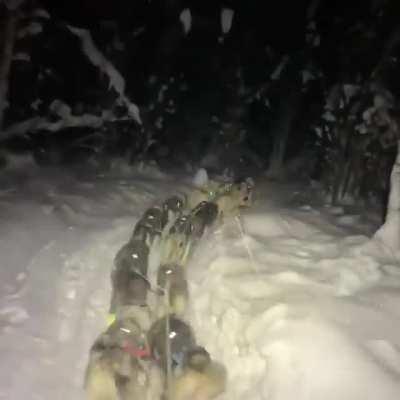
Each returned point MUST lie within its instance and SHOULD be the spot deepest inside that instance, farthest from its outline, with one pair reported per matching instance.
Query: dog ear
(102, 342)
(198, 359)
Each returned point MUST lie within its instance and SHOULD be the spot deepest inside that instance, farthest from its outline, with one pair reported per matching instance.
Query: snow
(66, 120)
(186, 19)
(307, 76)
(34, 28)
(201, 178)
(59, 108)
(350, 91)
(41, 13)
(318, 131)
(362, 128)
(328, 116)
(36, 103)
(299, 306)
(227, 15)
(389, 232)
(21, 57)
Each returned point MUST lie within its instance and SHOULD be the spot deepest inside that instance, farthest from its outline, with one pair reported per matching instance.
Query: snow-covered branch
(34, 28)
(116, 80)
(40, 123)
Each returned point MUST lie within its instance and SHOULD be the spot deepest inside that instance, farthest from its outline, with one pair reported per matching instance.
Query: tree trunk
(312, 9)
(339, 179)
(389, 232)
(6, 59)
(282, 131)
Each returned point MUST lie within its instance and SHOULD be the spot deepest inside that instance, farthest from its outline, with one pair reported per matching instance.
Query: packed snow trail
(59, 236)
(317, 318)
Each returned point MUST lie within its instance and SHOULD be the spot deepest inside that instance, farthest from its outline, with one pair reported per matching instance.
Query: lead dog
(237, 196)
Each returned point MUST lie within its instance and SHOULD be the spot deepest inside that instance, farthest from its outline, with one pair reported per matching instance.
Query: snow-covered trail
(314, 315)
(59, 235)
(311, 312)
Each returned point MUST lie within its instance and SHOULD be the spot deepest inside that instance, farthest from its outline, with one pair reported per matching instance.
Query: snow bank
(315, 319)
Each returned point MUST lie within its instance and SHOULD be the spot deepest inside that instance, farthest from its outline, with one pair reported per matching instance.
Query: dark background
(208, 99)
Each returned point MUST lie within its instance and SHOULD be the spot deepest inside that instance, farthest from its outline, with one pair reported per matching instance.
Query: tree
(6, 50)
(48, 114)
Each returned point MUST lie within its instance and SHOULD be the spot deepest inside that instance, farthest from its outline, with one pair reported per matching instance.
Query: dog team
(148, 350)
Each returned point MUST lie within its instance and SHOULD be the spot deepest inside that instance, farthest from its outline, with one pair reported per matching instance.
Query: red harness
(137, 352)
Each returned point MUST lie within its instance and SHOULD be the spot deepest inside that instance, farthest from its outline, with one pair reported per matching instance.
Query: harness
(137, 352)
(133, 351)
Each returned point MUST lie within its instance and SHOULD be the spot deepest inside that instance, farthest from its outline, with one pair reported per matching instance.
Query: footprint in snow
(12, 315)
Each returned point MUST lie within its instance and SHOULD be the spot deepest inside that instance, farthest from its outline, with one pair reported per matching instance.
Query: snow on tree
(355, 118)
(186, 19)
(389, 232)
(227, 15)
(66, 120)
(58, 115)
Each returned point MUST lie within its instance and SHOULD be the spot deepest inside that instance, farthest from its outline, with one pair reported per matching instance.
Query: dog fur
(201, 378)
(112, 372)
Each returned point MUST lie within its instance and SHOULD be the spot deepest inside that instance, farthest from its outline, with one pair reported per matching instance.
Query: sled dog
(128, 277)
(171, 280)
(172, 209)
(176, 245)
(203, 216)
(201, 378)
(150, 226)
(118, 368)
